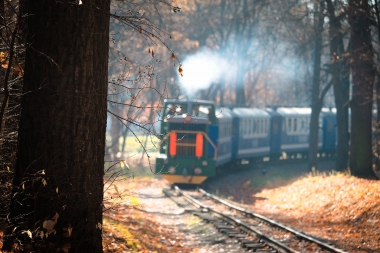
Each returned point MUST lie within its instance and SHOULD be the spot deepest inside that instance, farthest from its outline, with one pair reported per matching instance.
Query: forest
(79, 76)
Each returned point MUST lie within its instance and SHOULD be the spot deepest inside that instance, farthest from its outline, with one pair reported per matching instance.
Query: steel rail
(274, 223)
(237, 222)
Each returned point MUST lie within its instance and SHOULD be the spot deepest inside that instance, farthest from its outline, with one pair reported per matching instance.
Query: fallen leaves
(130, 228)
(117, 238)
(341, 209)
(338, 207)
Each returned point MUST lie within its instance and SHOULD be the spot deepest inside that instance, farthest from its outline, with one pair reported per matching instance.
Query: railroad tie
(253, 245)
(220, 226)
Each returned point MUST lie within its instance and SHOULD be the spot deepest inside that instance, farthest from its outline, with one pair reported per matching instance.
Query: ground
(336, 207)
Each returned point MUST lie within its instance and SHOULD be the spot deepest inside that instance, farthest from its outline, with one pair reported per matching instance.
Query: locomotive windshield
(201, 110)
(175, 109)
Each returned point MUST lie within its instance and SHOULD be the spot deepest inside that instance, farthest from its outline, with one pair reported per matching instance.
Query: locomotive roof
(249, 112)
(294, 111)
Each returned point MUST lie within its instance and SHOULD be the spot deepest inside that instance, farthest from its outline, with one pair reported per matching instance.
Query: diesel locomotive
(198, 140)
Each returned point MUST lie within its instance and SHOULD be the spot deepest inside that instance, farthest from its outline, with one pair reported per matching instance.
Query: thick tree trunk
(339, 94)
(376, 146)
(362, 89)
(343, 120)
(316, 102)
(60, 159)
(377, 95)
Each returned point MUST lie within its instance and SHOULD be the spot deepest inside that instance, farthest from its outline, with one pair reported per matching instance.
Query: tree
(377, 91)
(58, 183)
(362, 88)
(11, 62)
(340, 81)
(317, 96)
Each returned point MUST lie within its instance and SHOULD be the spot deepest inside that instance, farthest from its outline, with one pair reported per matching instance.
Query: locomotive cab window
(175, 109)
(201, 111)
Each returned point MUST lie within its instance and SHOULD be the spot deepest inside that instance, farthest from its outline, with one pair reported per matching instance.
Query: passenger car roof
(294, 111)
(250, 112)
(223, 112)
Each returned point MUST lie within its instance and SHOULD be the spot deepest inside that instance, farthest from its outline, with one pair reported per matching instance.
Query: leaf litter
(335, 207)
(338, 208)
(131, 225)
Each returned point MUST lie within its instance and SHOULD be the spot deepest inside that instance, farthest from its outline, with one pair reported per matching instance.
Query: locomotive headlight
(187, 118)
(204, 163)
(197, 171)
(171, 170)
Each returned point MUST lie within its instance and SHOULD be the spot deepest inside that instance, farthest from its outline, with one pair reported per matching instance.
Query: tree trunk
(377, 128)
(125, 135)
(340, 102)
(60, 159)
(316, 102)
(377, 95)
(221, 94)
(239, 87)
(2, 13)
(362, 89)
(344, 137)
(115, 132)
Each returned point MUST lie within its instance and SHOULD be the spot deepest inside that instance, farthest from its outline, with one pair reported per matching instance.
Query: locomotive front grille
(186, 142)
(186, 146)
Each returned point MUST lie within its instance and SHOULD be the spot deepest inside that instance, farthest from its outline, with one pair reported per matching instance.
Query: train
(200, 140)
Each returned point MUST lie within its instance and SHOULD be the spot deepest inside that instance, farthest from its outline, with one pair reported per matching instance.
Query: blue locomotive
(198, 139)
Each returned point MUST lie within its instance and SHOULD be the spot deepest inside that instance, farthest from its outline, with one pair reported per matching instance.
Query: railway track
(249, 231)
